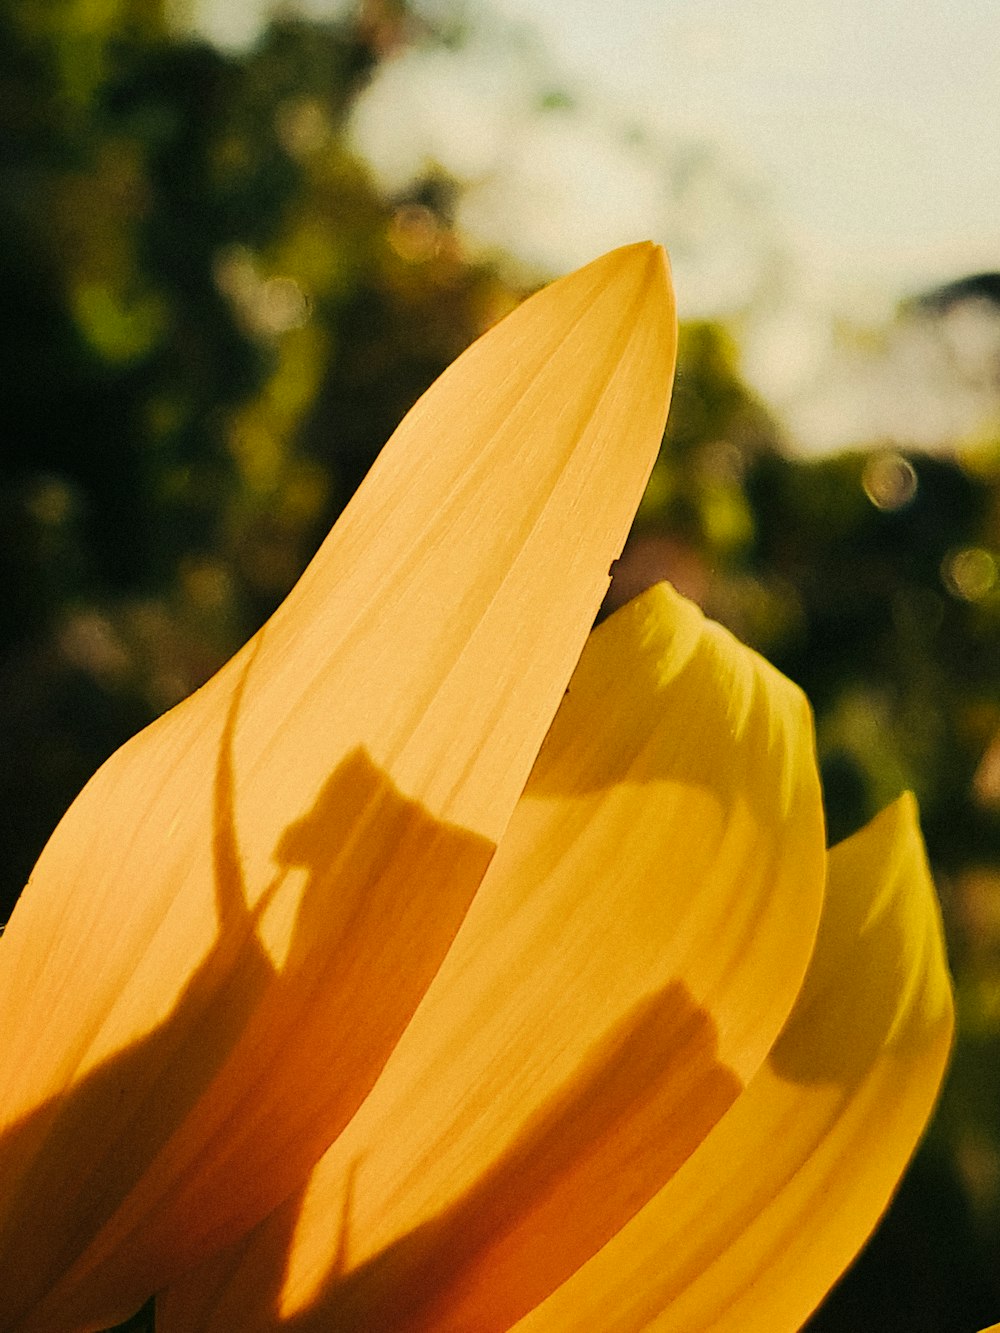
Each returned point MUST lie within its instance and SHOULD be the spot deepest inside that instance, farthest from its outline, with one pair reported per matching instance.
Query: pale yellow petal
(629, 960)
(765, 1216)
(235, 920)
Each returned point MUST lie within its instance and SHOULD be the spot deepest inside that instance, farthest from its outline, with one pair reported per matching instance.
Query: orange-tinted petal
(627, 964)
(236, 918)
(766, 1215)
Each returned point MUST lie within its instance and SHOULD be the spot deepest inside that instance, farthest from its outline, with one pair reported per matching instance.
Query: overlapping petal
(585, 1121)
(235, 920)
(763, 1218)
(625, 968)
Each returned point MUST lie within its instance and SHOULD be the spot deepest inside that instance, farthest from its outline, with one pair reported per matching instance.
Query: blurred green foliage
(211, 323)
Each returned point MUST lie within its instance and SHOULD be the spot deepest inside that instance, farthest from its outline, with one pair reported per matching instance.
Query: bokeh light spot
(889, 481)
(415, 233)
(970, 573)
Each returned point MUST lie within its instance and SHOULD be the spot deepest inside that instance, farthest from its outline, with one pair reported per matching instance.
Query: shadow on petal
(623, 970)
(616, 1132)
(103, 1180)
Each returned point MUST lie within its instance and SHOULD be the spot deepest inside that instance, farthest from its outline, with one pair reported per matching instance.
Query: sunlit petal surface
(233, 923)
(628, 962)
(760, 1222)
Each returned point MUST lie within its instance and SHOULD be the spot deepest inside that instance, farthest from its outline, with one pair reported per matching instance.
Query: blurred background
(236, 243)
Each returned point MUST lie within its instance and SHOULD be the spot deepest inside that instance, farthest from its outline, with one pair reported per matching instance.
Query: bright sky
(872, 125)
(800, 161)
(875, 124)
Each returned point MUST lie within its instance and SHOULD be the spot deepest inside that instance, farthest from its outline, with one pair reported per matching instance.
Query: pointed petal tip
(642, 263)
(644, 251)
(938, 991)
(653, 260)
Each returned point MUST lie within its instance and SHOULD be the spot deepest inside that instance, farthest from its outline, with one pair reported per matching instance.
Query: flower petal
(628, 961)
(761, 1221)
(236, 918)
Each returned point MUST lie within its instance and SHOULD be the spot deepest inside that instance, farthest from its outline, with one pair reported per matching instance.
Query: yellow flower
(261, 1052)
